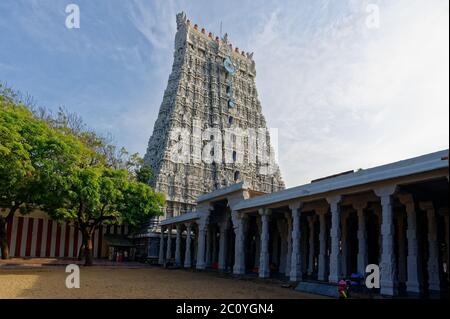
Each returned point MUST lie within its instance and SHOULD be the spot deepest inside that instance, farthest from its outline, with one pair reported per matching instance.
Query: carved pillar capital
(334, 200)
(264, 211)
(385, 193)
(312, 219)
(238, 218)
(295, 207)
(359, 206)
(188, 225)
(289, 218)
(321, 210)
(426, 206)
(407, 200)
(202, 223)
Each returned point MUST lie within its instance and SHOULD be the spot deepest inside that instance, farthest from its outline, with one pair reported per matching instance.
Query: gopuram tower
(210, 132)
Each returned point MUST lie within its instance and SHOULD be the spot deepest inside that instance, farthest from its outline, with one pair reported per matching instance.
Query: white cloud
(155, 20)
(345, 96)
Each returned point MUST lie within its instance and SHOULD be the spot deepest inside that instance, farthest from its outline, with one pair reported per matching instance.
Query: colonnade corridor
(403, 230)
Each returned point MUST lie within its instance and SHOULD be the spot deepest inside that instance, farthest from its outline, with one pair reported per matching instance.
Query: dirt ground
(149, 282)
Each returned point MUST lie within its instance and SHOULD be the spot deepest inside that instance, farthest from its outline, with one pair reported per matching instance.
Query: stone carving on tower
(210, 132)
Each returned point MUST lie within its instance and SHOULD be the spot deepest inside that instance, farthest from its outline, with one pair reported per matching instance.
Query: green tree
(96, 195)
(33, 157)
(55, 163)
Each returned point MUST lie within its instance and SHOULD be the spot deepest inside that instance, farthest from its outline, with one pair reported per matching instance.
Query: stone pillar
(208, 247)
(335, 234)
(434, 280)
(388, 285)
(289, 243)
(362, 258)
(169, 244)
(304, 246)
(161, 247)
(281, 227)
(264, 269)
(178, 246)
(401, 250)
(413, 283)
(214, 245)
(296, 267)
(202, 226)
(187, 254)
(195, 244)
(344, 244)
(274, 257)
(239, 225)
(323, 243)
(223, 246)
(311, 220)
(377, 212)
(447, 240)
(258, 242)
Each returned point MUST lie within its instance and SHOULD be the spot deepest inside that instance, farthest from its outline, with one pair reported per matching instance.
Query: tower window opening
(237, 175)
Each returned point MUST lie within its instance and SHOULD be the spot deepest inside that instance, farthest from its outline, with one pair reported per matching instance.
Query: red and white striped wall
(36, 235)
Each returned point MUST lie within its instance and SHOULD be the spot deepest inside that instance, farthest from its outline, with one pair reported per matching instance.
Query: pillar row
(208, 257)
(413, 283)
(187, 254)
(223, 245)
(169, 243)
(311, 220)
(289, 243)
(296, 258)
(178, 246)
(362, 258)
(401, 250)
(335, 234)
(323, 244)
(202, 227)
(239, 225)
(264, 269)
(434, 282)
(388, 285)
(161, 247)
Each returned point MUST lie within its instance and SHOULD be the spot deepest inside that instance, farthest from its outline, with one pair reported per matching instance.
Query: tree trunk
(4, 238)
(3, 231)
(81, 252)
(87, 242)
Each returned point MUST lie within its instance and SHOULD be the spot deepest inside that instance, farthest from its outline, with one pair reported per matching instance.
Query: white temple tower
(210, 132)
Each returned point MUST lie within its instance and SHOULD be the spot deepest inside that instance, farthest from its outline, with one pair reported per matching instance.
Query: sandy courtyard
(149, 282)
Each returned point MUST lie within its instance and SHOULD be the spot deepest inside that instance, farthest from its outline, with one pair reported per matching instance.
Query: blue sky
(342, 95)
